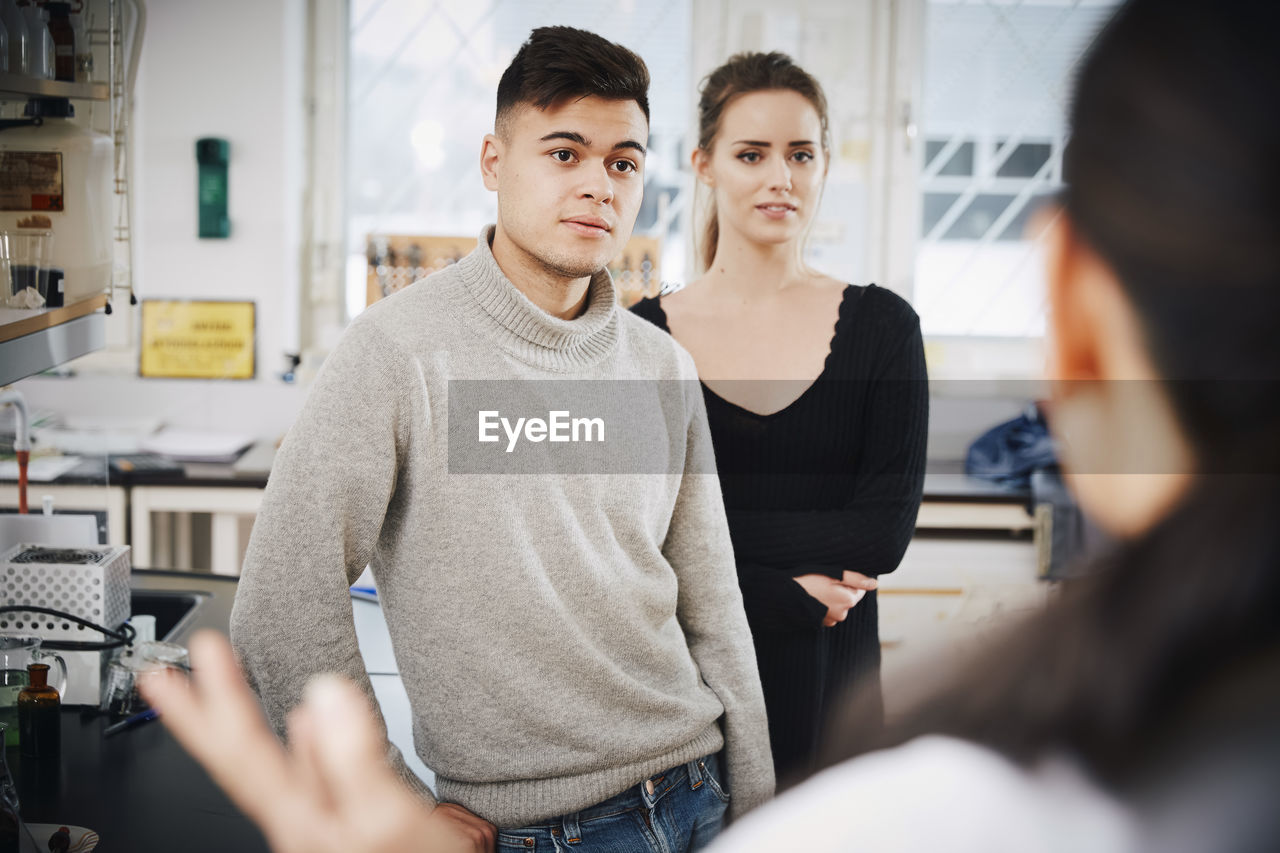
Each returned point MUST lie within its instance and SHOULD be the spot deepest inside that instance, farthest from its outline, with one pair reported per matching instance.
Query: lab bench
(139, 790)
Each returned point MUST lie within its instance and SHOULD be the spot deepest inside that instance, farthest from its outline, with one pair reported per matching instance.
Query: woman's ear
(701, 162)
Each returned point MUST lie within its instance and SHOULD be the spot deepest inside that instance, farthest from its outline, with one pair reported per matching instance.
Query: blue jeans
(673, 812)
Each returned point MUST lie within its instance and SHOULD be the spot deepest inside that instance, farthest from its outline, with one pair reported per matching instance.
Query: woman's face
(766, 166)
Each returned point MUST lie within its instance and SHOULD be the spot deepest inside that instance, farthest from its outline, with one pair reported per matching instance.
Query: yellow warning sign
(197, 339)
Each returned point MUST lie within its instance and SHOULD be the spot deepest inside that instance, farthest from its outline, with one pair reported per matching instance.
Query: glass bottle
(39, 43)
(39, 715)
(16, 24)
(10, 822)
(11, 683)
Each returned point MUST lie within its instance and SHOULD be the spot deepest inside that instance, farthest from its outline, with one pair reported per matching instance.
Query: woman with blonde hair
(816, 397)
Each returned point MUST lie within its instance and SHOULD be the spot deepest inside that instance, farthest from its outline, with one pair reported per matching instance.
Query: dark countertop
(139, 790)
(250, 470)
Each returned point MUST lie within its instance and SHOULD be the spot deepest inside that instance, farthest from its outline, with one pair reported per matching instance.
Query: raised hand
(331, 791)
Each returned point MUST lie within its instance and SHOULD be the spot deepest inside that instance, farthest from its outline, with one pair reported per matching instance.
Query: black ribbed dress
(831, 482)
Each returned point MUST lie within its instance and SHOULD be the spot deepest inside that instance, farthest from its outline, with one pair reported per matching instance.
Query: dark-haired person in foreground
(1141, 710)
(574, 647)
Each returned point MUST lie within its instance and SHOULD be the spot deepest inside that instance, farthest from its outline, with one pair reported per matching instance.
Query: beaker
(27, 253)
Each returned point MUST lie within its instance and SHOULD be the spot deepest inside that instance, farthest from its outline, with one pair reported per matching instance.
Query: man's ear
(490, 155)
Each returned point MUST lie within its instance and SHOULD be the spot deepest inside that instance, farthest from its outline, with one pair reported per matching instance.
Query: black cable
(123, 637)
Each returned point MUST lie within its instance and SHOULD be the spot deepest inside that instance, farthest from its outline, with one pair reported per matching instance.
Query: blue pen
(364, 593)
(129, 722)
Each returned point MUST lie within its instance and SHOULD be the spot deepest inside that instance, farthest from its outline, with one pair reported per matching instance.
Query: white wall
(232, 69)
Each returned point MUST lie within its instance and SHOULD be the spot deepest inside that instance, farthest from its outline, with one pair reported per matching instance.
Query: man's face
(569, 181)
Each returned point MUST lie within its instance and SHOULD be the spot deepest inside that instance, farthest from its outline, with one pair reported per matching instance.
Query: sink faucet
(21, 441)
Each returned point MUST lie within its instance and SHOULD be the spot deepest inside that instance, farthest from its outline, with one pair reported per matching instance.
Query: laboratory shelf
(33, 341)
(29, 87)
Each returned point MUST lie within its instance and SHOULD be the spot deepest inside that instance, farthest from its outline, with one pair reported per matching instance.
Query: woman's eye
(563, 155)
(749, 156)
(802, 156)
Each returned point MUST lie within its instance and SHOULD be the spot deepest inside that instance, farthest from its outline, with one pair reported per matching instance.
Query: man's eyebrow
(570, 135)
(630, 143)
(574, 136)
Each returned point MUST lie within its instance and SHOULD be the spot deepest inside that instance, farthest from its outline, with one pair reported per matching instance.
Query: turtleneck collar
(525, 330)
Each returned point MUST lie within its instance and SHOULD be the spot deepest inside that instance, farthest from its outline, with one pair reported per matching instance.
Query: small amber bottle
(39, 717)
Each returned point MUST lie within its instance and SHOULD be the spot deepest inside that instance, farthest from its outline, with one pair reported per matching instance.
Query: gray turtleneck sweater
(561, 636)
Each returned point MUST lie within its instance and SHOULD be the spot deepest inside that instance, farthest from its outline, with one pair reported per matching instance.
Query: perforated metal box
(91, 582)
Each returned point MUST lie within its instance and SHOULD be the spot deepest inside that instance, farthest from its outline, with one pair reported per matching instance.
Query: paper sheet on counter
(42, 469)
(189, 445)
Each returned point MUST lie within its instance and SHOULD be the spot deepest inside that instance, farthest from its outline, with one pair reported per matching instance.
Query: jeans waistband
(641, 796)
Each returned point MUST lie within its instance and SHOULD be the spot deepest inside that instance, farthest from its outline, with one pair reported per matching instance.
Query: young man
(574, 647)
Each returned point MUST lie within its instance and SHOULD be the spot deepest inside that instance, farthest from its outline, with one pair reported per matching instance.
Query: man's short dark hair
(558, 63)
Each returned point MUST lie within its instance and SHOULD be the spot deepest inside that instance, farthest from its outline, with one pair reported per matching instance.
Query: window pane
(997, 80)
(1025, 161)
(958, 163)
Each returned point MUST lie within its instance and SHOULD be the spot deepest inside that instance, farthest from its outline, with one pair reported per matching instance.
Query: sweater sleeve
(319, 522)
(709, 607)
(775, 602)
(870, 533)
